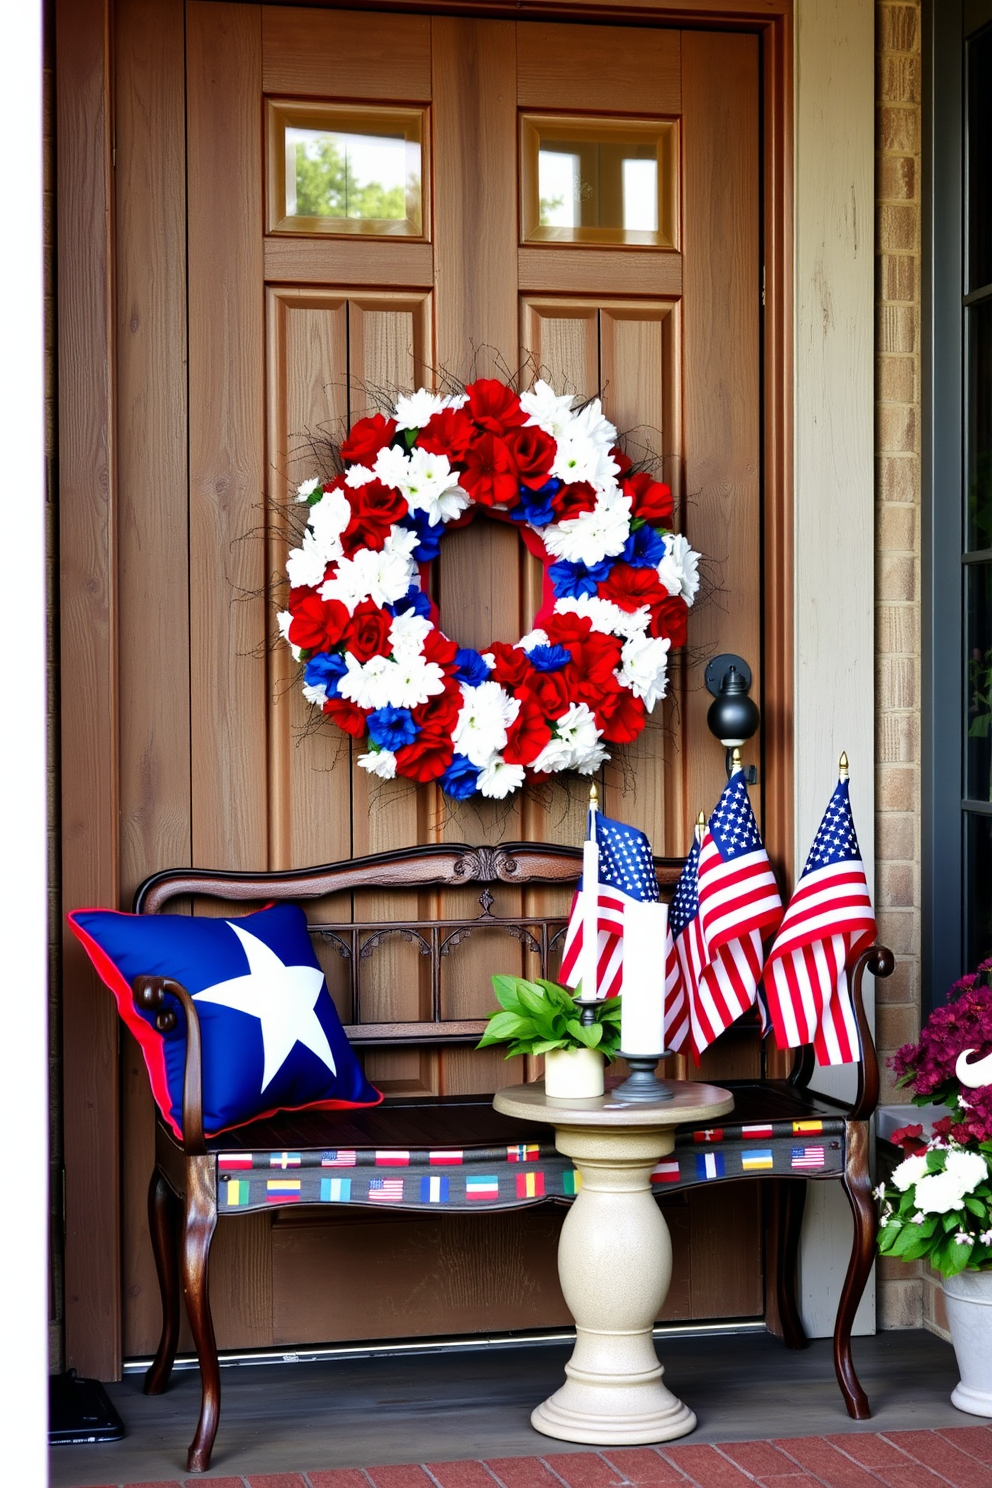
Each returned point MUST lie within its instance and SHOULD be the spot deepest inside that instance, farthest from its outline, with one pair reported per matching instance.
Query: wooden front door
(244, 340)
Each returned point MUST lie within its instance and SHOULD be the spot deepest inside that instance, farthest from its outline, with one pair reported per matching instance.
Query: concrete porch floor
(280, 1421)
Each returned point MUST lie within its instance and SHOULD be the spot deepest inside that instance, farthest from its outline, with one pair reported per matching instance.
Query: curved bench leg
(163, 1222)
(201, 1221)
(786, 1202)
(857, 1186)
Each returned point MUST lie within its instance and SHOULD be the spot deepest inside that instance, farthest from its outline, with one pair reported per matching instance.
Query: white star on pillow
(283, 999)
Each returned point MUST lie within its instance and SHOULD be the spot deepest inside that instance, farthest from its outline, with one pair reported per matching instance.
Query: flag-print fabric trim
(496, 1178)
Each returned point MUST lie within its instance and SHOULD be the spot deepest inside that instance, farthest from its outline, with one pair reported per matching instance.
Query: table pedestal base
(614, 1261)
(615, 1264)
(625, 1407)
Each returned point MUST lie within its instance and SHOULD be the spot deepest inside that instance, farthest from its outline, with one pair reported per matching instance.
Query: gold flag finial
(736, 759)
(594, 797)
(842, 767)
(700, 826)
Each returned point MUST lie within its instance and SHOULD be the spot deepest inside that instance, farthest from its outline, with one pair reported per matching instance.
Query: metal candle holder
(643, 1084)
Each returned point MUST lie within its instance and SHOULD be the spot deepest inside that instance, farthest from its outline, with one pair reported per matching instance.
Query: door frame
(796, 335)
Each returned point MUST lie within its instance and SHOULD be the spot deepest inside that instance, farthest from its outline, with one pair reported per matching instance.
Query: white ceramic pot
(573, 1074)
(969, 1314)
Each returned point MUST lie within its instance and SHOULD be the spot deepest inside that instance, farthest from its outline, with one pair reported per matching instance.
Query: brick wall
(903, 1293)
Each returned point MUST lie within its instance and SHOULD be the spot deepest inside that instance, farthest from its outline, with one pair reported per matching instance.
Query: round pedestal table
(614, 1260)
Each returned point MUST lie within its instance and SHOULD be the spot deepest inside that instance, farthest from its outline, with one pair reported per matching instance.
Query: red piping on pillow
(152, 1047)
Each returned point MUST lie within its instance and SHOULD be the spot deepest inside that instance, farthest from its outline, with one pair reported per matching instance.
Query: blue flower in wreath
(414, 601)
(391, 728)
(472, 670)
(550, 658)
(325, 670)
(644, 548)
(571, 580)
(429, 533)
(459, 779)
(535, 506)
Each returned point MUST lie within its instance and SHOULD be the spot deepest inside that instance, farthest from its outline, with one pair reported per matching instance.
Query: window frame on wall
(949, 890)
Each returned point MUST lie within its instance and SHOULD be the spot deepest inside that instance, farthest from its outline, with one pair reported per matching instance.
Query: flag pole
(842, 768)
(590, 898)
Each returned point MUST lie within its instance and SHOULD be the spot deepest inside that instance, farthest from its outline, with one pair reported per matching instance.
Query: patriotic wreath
(617, 588)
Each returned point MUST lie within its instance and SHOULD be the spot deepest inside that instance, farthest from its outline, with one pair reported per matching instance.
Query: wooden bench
(191, 1185)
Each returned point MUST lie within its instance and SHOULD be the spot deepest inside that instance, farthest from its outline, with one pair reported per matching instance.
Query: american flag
(725, 900)
(828, 923)
(626, 874)
(385, 1190)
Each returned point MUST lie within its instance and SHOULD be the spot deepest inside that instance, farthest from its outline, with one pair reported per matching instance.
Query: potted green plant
(542, 1017)
(937, 1205)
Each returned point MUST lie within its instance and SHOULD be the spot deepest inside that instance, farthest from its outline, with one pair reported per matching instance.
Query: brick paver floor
(958, 1457)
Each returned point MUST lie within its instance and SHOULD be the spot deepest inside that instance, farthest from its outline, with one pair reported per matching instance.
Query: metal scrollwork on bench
(376, 940)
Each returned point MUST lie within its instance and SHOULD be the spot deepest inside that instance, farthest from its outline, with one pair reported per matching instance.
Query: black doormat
(80, 1411)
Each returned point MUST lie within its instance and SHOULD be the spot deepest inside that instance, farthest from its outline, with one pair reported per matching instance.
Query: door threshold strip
(399, 1347)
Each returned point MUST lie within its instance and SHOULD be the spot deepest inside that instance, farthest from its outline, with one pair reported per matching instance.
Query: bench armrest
(879, 960)
(150, 993)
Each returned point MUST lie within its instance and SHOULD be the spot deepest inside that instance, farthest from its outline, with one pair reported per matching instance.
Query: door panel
(294, 336)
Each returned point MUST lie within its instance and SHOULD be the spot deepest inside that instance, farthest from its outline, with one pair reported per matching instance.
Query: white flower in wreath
(408, 633)
(592, 536)
(556, 755)
(578, 458)
(392, 466)
(381, 762)
(592, 422)
(357, 476)
(547, 409)
(431, 486)
(909, 1171)
(382, 577)
(412, 681)
(328, 518)
(284, 620)
(498, 779)
(577, 727)
(316, 695)
(679, 569)
(530, 640)
(306, 565)
(644, 668)
(306, 489)
(605, 616)
(487, 712)
(938, 1193)
(969, 1168)
(454, 400)
(400, 544)
(413, 410)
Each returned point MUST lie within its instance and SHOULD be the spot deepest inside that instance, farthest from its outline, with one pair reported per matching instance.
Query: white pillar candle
(590, 912)
(642, 1013)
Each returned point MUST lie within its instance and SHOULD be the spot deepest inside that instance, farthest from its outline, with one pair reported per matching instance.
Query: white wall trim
(834, 487)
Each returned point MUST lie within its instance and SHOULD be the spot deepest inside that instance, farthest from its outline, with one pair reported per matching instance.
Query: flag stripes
(829, 921)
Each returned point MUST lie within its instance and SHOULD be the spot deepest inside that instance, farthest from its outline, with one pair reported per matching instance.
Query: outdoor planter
(968, 1297)
(572, 1074)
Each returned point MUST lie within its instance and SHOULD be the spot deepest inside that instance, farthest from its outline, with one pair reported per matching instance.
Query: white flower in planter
(968, 1167)
(909, 1171)
(938, 1193)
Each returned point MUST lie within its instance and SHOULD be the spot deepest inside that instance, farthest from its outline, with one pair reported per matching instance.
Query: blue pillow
(271, 1037)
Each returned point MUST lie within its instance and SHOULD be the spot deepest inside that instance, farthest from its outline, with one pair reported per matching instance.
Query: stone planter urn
(968, 1297)
(573, 1074)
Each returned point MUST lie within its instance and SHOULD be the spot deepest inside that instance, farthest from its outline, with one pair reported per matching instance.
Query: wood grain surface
(88, 660)
(292, 336)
